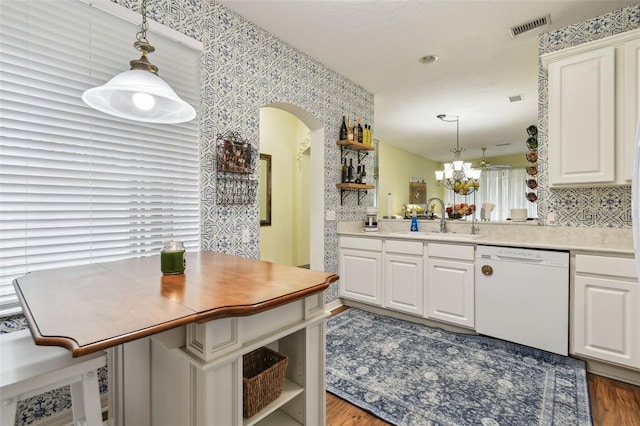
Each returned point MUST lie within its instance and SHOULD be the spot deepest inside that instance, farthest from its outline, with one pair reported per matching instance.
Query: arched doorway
(301, 165)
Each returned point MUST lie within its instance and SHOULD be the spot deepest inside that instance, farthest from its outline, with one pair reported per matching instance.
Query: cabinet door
(361, 276)
(403, 283)
(630, 93)
(607, 320)
(582, 118)
(450, 292)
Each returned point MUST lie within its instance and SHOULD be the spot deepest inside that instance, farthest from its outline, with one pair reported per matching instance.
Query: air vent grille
(528, 26)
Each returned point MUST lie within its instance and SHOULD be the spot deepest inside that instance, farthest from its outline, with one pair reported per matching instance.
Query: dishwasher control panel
(525, 255)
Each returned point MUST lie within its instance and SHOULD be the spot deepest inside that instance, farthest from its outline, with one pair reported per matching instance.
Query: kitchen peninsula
(181, 338)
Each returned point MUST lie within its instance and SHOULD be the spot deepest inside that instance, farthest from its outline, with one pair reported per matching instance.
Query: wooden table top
(94, 307)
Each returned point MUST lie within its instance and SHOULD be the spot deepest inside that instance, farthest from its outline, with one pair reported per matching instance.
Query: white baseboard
(613, 371)
(408, 317)
(334, 304)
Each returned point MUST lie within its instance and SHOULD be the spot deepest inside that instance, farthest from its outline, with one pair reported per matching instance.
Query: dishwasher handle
(519, 259)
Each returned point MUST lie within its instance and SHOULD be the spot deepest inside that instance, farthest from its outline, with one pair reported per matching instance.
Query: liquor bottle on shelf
(356, 134)
(349, 131)
(358, 174)
(360, 132)
(343, 129)
(345, 170)
(363, 175)
(350, 171)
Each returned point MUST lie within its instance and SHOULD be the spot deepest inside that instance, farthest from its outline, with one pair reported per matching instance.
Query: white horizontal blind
(78, 186)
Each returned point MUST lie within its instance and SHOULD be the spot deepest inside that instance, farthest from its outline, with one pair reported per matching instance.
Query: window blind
(78, 186)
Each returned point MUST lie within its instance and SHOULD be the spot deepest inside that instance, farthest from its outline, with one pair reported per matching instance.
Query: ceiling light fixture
(458, 175)
(140, 94)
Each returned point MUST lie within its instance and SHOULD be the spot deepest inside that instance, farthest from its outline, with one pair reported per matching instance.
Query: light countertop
(525, 234)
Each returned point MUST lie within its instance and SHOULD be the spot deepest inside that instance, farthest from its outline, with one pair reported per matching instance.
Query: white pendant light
(140, 94)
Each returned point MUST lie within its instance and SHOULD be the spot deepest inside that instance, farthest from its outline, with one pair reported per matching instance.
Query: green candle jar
(172, 258)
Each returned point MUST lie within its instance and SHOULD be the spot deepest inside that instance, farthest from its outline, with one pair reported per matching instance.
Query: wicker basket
(263, 372)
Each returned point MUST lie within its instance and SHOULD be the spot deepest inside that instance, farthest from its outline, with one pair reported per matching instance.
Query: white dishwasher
(522, 296)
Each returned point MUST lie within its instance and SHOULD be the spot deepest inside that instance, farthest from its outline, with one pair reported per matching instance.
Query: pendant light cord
(142, 34)
(444, 118)
(143, 45)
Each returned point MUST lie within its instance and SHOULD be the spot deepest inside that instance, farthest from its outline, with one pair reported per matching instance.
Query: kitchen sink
(435, 235)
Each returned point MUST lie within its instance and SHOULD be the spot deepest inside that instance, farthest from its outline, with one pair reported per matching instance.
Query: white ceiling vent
(530, 25)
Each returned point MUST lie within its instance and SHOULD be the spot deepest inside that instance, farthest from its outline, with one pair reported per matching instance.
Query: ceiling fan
(485, 165)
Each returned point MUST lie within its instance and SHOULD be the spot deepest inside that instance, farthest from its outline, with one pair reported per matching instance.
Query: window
(506, 188)
(78, 186)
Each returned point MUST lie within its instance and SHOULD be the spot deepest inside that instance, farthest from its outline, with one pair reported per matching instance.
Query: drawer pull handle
(487, 270)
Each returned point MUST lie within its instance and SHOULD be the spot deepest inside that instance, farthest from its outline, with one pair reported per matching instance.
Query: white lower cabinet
(202, 383)
(361, 269)
(403, 273)
(606, 309)
(450, 294)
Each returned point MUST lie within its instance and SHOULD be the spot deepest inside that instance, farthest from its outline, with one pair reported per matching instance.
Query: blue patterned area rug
(411, 374)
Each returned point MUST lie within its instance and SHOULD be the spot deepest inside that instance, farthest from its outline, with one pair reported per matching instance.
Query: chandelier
(140, 94)
(458, 176)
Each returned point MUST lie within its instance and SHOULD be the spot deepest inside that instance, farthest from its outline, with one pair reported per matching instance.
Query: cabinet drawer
(451, 251)
(361, 243)
(404, 247)
(606, 265)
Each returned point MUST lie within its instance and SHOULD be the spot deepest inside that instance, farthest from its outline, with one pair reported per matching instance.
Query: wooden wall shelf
(354, 186)
(357, 146)
(347, 188)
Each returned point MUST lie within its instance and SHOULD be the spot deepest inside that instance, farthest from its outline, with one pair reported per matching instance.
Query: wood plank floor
(613, 403)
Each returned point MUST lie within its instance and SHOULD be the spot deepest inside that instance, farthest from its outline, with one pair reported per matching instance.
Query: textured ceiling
(377, 44)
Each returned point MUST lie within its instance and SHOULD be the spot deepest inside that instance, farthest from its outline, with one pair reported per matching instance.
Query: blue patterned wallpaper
(592, 207)
(244, 67)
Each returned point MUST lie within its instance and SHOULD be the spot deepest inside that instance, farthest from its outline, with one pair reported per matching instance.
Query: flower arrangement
(458, 211)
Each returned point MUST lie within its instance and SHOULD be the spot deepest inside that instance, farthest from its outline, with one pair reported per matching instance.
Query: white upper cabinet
(582, 119)
(631, 99)
(593, 111)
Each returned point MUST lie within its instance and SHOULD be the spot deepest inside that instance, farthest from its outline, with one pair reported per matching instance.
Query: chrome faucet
(443, 224)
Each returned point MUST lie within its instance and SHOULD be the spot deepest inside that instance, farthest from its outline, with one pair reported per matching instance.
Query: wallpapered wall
(594, 207)
(244, 68)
